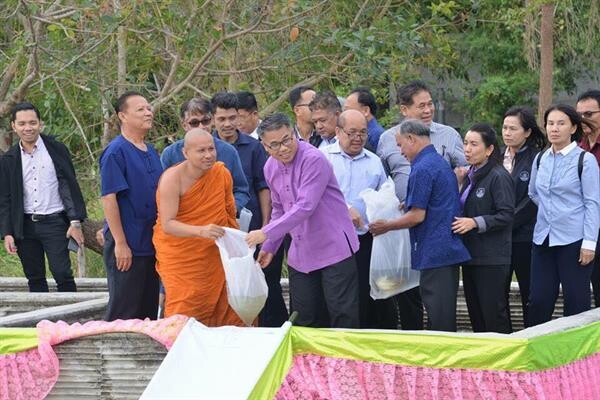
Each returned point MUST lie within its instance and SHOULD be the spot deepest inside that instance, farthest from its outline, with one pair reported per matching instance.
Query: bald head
(351, 132)
(199, 149)
(351, 117)
(195, 135)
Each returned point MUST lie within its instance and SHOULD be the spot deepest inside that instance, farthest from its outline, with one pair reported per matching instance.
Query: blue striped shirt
(355, 174)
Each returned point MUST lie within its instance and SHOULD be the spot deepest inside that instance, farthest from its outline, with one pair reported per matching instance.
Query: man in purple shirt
(308, 204)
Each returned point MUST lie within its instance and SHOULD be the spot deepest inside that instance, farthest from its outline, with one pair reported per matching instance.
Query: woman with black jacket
(524, 140)
(488, 200)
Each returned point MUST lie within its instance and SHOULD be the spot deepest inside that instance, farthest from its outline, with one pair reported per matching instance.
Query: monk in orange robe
(195, 200)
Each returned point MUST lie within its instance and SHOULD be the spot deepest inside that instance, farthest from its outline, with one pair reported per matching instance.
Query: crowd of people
(474, 208)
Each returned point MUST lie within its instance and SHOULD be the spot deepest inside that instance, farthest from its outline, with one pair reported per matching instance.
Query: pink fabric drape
(314, 377)
(31, 374)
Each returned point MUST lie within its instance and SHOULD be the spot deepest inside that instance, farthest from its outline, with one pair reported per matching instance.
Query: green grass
(11, 265)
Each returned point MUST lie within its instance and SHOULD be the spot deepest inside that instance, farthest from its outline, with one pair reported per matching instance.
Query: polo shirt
(133, 175)
(432, 186)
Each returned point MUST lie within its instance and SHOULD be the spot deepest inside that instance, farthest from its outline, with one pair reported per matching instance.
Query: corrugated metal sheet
(109, 366)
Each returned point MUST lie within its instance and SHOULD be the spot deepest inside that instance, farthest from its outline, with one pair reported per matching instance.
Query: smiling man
(41, 205)
(308, 204)
(195, 200)
(129, 173)
(431, 204)
(357, 169)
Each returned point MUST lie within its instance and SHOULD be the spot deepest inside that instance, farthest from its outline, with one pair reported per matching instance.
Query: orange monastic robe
(191, 268)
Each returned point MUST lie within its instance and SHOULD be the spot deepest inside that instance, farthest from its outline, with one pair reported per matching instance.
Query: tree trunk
(546, 58)
(89, 234)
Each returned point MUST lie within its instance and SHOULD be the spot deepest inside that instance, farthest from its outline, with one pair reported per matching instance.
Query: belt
(42, 217)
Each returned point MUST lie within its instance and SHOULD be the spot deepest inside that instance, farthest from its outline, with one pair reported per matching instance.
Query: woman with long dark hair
(523, 140)
(487, 198)
(565, 186)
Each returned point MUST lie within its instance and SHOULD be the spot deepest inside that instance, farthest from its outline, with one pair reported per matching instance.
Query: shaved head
(351, 115)
(193, 135)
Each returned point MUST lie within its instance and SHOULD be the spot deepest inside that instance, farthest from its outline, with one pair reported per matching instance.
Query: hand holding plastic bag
(391, 271)
(246, 286)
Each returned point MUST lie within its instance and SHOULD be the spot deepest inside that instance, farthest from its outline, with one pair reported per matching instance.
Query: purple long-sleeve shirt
(308, 204)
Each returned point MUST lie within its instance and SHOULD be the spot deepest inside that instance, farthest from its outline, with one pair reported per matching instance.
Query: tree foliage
(73, 57)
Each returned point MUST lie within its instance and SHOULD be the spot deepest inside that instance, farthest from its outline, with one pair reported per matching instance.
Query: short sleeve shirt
(132, 174)
(432, 186)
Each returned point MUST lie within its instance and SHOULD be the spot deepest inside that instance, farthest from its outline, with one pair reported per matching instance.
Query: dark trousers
(439, 287)
(274, 314)
(336, 286)
(485, 294)
(551, 267)
(596, 276)
(410, 308)
(133, 294)
(521, 265)
(373, 314)
(46, 236)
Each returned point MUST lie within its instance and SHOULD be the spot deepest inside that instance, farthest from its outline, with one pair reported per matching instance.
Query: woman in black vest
(488, 200)
(523, 139)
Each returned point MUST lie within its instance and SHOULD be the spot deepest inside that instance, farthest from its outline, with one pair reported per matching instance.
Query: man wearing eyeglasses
(588, 106)
(196, 113)
(415, 102)
(248, 118)
(357, 169)
(300, 98)
(253, 156)
(309, 206)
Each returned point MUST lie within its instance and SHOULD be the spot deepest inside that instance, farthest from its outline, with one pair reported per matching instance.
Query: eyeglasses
(588, 114)
(277, 145)
(302, 105)
(352, 134)
(194, 123)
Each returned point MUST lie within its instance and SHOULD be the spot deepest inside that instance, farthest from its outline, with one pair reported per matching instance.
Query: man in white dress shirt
(41, 205)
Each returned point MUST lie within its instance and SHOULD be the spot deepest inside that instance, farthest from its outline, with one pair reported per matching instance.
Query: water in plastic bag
(390, 271)
(246, 286)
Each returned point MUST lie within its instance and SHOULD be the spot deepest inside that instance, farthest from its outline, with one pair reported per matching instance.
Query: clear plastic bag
(246, 286)
(244, 219)
(390, 271)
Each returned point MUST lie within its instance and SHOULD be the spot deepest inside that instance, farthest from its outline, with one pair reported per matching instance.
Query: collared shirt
(327, 141)
(447, 142)
(394, 162)
(375, 130)
(308, 203)
(132, 174)
(568, 207)
(509, 160)
(40, 184)
(254, 133)
(594, 149)
(226, 153)
(253, 157)
(355, 174)
(432, 186)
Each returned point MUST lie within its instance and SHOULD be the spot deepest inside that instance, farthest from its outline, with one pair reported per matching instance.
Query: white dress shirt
(40, 184)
